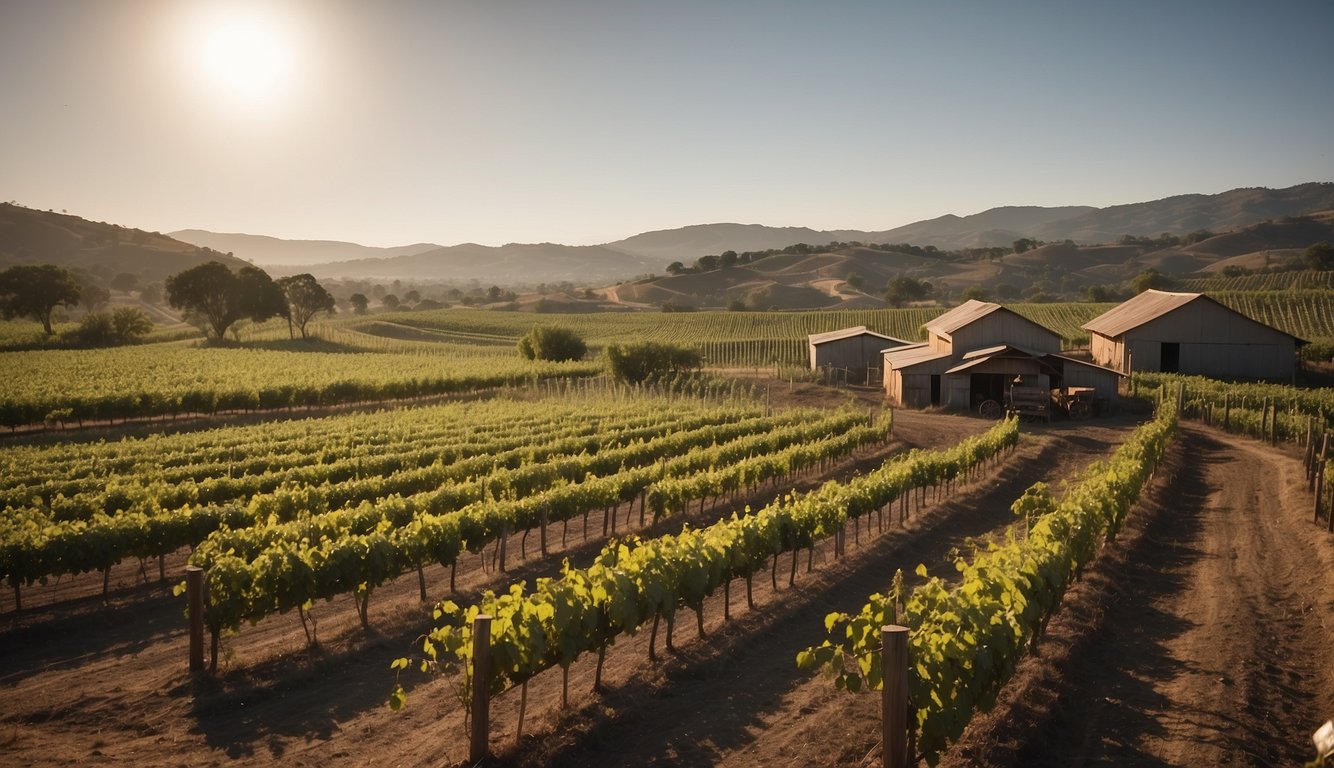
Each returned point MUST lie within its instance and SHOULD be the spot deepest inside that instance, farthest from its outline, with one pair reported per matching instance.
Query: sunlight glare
(244, 53)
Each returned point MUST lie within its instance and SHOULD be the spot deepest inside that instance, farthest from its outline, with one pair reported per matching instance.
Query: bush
(108, 329)
(649, 360)
(552, 343)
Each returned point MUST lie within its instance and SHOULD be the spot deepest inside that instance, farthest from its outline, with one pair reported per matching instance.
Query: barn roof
(1151, 305)
(848, 333)
(962, 315)
(970, 312)
(910, 355)
(1132, 313)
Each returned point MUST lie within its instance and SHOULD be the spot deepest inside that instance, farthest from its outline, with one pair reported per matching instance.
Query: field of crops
(166, 380)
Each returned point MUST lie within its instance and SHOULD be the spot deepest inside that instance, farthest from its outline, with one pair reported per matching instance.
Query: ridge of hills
(651, 252)
(831, 279)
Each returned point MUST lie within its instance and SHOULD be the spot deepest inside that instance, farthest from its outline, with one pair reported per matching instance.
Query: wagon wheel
(1080, 410)
(990, 409)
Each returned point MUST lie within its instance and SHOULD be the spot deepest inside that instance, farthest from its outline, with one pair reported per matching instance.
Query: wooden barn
(975, 355)
(1190, 333)
(854, 352)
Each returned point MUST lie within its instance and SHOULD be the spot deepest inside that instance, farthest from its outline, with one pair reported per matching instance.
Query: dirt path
(1205, 638)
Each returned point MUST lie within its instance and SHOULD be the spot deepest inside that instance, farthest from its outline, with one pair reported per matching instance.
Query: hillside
(29, 236)
(1061, 269)
(272, 251)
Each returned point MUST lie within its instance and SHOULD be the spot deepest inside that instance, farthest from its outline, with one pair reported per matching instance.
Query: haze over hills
(651, 252)
(273, 251)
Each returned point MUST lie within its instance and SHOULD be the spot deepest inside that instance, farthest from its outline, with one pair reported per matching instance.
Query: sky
(402, 121)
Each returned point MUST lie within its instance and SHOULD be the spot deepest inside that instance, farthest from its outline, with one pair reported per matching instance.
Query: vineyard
(636, 554)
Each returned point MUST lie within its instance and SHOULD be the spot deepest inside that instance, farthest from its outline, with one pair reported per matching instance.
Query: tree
(904, 289)
(974, 292)
(1023, 245)
(412, 297)
(359, 303)
(260, 297)
(94, 297)
(675, 268)
(1319, 256)
(552, 343)
(1150, 278)
(151, 293)
(736, 305)
(35, 291)
(494, 294)
(125, 282)
(215, 298)
(855, 281)
(390, 301)
(305, 298)
(649, 359)
(727, 259)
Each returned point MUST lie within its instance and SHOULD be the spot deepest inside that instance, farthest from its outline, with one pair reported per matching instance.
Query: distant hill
(29, 236)
(824, 279)
(516, 263)
(272, 251)
(1179, 215)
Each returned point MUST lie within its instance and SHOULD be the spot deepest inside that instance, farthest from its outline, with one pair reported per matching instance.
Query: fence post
(194, 595)
(894, 695)
(478, 747)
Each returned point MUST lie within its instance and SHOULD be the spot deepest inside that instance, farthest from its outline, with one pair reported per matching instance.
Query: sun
(246, 54)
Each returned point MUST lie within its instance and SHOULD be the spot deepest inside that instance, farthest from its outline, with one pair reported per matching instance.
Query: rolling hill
(30, 236)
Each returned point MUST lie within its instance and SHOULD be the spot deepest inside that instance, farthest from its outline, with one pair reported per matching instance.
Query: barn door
(1169, 357)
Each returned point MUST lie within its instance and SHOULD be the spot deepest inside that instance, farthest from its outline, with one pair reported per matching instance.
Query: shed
(854, 350)
(1190, 333)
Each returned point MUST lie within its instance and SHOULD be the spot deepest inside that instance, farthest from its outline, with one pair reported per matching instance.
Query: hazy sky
(394, 122)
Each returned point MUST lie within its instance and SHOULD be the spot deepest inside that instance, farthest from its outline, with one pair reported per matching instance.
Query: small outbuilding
(854, 352)
(1190, 333)
(977, 353)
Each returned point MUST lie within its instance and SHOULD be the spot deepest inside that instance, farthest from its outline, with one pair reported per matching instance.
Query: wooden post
(1181, 398)
(1320, 492)
(478, 748)
(194, 594)
(1227, 412)
(894, 695)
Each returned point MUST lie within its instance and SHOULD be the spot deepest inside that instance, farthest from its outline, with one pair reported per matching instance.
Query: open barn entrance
(985, 386)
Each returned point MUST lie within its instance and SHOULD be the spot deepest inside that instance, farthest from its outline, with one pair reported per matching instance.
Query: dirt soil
(1204, 637)
(87, 684)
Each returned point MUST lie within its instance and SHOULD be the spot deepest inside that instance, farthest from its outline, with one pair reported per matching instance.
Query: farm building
(854, 352)
(977, 353)
(1189, 333)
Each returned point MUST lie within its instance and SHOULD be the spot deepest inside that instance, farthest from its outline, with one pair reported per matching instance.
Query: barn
(1190, 333)
(853, 352)
(976, 353)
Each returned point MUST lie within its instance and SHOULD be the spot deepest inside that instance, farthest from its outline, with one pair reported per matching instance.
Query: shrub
(552, 343)
(649, 359)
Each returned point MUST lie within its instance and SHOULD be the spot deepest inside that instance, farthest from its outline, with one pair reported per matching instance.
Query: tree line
(211, 295)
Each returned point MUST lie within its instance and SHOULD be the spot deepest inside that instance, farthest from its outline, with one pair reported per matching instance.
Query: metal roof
(913, 354)
(847, 333)
(1135, 312)
(962, 315)
(1003, 353)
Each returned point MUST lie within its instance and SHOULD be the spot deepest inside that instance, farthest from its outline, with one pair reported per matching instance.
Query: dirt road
(1206, 638)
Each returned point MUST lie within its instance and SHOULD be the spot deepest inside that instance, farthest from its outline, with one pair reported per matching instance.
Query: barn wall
(1104, 383)
(1107, 352)
(1214, 341)
(1002, 327)
(916, 390)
